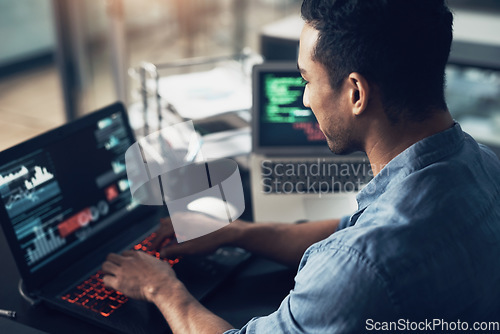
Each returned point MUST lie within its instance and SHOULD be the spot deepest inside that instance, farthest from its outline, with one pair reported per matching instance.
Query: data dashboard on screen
(53, 203)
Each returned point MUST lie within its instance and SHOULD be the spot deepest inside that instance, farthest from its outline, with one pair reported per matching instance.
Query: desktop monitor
(284, 120)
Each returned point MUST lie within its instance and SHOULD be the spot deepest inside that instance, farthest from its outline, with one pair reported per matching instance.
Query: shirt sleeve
(336, 291)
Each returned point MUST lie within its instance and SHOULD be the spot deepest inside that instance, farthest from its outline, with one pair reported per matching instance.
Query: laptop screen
(60, 189)
(283, 118)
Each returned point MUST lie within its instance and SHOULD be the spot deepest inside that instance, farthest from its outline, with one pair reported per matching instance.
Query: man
(425, 240)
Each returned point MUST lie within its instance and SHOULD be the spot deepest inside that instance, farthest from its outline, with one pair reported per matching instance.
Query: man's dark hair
(401, 46)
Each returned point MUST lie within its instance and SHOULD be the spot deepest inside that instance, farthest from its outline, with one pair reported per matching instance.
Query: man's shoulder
(454, 188)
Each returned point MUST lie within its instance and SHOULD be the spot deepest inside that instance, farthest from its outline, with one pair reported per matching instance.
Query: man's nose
(305, 98)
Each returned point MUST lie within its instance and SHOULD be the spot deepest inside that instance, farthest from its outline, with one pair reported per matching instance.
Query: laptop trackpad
(328, 208)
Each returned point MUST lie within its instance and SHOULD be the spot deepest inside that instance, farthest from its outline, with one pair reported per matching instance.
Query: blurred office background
(60, 59)
(102, 37)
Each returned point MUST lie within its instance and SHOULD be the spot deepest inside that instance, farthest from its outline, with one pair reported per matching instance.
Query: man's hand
(137, 274)
(165, 243)
(142, 276)
(164, 234)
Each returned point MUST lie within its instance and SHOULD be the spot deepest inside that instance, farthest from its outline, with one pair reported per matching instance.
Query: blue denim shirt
(424, 244)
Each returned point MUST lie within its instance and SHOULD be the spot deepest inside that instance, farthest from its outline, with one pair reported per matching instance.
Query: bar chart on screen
(44, 242)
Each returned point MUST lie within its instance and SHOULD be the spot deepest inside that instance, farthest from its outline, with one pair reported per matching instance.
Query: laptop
(65, 204)
(294, 175)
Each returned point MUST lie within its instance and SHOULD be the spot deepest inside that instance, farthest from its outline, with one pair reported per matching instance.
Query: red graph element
(74, 223)
(111, 192)
(311, 130)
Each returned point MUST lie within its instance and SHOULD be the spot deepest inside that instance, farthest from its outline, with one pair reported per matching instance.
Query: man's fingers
(129, 253)
(157, 241)
(110, 281)
(164, 232)
(165, 221)
(115, 258)
(109, 267)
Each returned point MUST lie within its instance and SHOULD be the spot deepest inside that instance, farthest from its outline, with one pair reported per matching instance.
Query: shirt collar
(414, 158)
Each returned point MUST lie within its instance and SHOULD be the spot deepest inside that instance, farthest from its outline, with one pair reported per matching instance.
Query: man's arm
(185, 314)
(284, 243)
(336, 291)
(144, 277)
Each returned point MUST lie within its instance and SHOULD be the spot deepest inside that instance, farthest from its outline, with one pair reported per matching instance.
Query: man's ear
(359, 93)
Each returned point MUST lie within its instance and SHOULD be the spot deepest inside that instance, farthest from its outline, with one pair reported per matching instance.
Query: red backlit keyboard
(93, 295)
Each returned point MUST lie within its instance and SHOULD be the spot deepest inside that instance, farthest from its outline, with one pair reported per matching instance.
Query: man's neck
(390, 140)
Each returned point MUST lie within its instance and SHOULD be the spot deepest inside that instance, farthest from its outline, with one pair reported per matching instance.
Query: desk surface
(257, 289)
